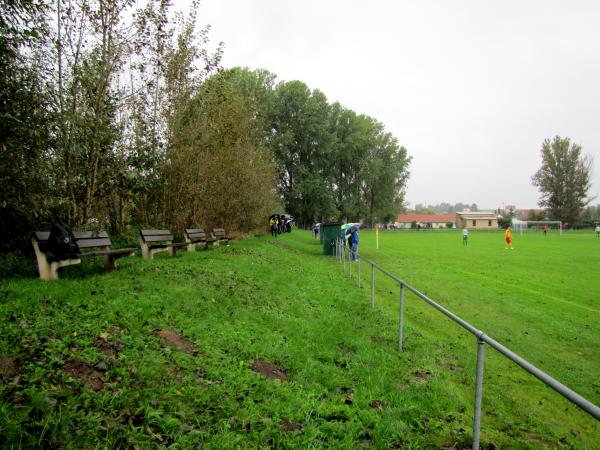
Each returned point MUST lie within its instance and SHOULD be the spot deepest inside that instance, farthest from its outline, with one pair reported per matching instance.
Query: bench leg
(146, 253)
(48, 271)
(171, 251)
(191, 248)
(110, 262)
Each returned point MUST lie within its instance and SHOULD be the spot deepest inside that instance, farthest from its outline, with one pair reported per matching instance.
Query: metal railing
(481, 337)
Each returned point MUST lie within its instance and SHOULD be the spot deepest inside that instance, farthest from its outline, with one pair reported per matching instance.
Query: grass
(98, 360)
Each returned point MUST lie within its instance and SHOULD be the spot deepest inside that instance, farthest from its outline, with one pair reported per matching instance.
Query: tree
(219, 171)
(301, 143)
(25, 122)
(563, 179)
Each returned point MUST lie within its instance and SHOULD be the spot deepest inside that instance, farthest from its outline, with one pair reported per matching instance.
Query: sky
(470, 88)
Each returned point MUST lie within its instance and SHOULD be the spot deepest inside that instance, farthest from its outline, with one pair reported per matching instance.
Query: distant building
(481, 220)
(425, 220)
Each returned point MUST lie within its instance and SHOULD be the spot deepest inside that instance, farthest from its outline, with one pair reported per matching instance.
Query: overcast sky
(470, 88)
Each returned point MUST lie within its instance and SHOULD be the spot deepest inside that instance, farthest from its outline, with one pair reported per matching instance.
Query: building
(481, 220)
(425, 220)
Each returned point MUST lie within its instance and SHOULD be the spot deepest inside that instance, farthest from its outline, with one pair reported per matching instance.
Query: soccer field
(541, 299)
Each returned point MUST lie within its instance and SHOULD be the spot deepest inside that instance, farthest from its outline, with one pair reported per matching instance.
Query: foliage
(123, 100)
(332, 163)
(445, 208)
(563, 179)
(25, 123)
(219, 172)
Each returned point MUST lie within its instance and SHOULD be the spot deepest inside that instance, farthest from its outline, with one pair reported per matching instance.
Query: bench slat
(155, 232)
(43, 236)
(166, 237)
(87, 243)
(194, 230)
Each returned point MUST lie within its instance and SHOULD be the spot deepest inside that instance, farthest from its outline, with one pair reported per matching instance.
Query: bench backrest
(85, 239)
(219, 233)
(195, 234)
(156, 235)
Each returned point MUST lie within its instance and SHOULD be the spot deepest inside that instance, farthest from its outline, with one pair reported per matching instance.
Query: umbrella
(288, 218)
(352, 227)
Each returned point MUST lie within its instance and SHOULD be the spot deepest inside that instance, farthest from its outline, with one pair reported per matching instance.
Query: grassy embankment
(99, 359)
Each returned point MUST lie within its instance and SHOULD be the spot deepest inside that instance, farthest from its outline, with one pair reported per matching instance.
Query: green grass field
(99, 360)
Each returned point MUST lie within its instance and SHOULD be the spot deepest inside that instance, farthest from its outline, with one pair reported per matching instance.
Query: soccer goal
(525, 225)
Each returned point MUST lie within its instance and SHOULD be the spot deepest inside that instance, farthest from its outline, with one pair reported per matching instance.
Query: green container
(329, 234)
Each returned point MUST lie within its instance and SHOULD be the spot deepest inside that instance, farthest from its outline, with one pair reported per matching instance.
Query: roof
(478, 215)
(426, 218)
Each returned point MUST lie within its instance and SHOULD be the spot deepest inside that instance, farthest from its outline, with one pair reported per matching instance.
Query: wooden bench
(195, 236)
(219, 235)
(154, 241)
(91, 243)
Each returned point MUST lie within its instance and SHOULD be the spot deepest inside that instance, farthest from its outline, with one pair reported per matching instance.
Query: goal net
(537, 225)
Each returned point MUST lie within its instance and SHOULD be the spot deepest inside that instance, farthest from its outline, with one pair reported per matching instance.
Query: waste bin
(329, 234)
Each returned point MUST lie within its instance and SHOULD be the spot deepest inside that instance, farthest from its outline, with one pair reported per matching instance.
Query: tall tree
(563, 179)
(25, 121)
(387, 173)
(301, 141)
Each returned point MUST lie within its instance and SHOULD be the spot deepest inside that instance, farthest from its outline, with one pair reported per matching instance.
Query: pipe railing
(481, 338)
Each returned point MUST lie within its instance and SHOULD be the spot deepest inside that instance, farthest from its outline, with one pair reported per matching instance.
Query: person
(354, 245)
(273, 223)
(508, 239)
(465, 236)
(316, 230)
(598, 231)
(545, 229)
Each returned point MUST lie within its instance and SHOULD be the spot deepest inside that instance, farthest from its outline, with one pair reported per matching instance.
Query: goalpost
(523, 225)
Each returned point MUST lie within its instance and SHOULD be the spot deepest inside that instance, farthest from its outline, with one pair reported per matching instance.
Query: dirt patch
(269, 370)
(108, 348)
(85, 372)
(288, 426)
(174, 340)
(7, 366)
(376, 404)
(452, 367)
(421, 376)
(541, 439)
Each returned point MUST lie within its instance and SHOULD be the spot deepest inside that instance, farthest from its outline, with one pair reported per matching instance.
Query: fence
(481, 337)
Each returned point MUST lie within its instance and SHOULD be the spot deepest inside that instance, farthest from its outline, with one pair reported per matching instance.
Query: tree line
(116, 115)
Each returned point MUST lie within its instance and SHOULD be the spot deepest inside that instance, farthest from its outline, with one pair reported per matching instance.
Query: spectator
(354, 245)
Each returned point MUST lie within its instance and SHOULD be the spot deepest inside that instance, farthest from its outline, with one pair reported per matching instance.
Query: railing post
(478, 394)
(401, 317)
(358, 275)
(372, 285)
(350, 262)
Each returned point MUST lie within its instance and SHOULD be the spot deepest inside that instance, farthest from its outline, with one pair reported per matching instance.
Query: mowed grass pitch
(541, 300)
(89, 361)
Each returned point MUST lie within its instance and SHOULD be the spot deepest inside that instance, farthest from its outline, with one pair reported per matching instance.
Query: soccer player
(465, 236)
(545, 229)
(598, 231)
(508, 239)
